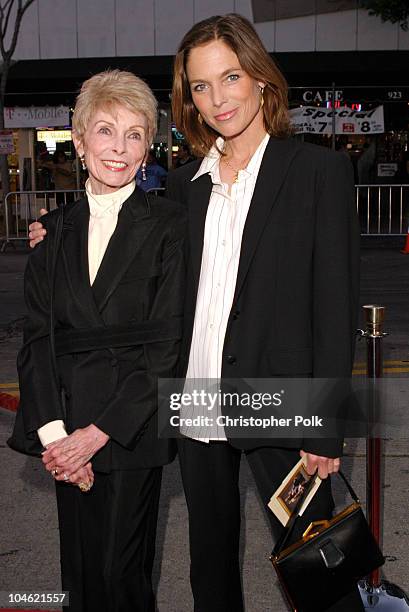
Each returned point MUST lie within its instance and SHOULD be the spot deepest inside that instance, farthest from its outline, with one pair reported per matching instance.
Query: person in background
(366, 163)
(151, 175)
(63, 176)
(118, 295)
(184, 156)
(342, 147)
(44, 173)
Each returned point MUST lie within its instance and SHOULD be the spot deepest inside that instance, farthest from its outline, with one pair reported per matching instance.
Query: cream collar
(109, 203)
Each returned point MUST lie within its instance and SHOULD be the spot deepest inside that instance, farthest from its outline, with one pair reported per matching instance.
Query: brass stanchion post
(376, 593)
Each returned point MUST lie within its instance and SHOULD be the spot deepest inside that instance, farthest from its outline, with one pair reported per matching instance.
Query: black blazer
(296, 299)
(140, 285)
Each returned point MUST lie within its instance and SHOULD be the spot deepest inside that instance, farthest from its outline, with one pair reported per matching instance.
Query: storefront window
(54, 150)
(374, 134)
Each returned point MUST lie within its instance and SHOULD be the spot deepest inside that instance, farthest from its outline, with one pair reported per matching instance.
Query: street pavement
(29, 552)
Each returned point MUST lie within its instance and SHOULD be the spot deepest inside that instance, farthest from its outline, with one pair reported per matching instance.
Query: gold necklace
(235, 170)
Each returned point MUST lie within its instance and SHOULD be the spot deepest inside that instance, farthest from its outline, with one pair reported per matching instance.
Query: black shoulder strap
(56, 249)
(289, 528)
(147, 202)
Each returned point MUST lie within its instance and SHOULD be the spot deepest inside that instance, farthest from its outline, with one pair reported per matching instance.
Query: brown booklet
(284, 499)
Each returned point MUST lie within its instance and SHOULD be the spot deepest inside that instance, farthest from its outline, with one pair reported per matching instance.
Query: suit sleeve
(40, 400)
(335, 286)
(136, 400)
(171, 187)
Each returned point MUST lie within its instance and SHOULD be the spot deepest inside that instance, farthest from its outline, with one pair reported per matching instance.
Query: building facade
(334, 55)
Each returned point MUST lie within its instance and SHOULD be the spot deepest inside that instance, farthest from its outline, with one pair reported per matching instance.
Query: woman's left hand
(324, 465)
(69, 454)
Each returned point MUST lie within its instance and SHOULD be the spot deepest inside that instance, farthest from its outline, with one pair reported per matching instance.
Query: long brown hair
(240, 36)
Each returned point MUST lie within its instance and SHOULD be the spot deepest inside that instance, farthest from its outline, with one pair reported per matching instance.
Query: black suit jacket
(140, 282)
(296, 299)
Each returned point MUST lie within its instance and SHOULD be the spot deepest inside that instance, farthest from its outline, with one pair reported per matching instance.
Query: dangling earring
(144, 171)
(200, 118)
(83, 164)
(261, 97)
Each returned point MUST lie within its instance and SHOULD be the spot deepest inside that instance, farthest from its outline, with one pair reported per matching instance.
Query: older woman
(115, 297)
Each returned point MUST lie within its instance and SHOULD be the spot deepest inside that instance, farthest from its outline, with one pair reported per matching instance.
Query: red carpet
(9, 401)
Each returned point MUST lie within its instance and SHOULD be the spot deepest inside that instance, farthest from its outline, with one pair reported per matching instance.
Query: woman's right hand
(37, 232)
(72, 452)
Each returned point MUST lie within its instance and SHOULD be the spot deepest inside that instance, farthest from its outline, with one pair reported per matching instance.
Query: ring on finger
(84, 487)
(54, 472)
(66, 477)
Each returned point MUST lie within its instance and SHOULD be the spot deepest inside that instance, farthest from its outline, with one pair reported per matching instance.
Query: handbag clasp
(307, 533)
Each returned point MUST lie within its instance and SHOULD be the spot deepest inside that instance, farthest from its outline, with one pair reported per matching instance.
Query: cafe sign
(36, 116)
(318, 96)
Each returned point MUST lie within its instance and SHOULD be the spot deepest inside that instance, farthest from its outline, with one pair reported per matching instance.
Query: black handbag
(330, 558)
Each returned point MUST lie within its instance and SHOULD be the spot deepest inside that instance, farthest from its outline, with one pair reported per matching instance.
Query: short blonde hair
(109, 89)
(240, 36)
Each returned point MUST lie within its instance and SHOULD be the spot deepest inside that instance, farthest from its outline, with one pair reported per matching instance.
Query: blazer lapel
(273, 170)
(135, 224)
(75, 259)
(199, 195)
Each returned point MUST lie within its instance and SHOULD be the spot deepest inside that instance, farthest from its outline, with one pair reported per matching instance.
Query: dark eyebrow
(223, 74)
(226, 72)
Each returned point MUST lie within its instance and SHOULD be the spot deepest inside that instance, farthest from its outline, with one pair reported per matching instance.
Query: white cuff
(52, 431)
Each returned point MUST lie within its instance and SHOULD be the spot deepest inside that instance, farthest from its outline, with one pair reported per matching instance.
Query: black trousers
(210, 474)
(107, 539)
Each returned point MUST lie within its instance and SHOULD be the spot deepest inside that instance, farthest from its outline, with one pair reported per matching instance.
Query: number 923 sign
(317, 120)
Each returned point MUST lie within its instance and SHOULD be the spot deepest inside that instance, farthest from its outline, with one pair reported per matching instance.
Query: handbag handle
(289, 528)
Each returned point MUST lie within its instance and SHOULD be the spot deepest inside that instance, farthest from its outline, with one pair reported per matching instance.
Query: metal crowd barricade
(383, 209)
(23, 207)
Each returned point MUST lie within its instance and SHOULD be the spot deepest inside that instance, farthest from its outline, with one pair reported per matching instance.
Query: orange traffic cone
(405, 249)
